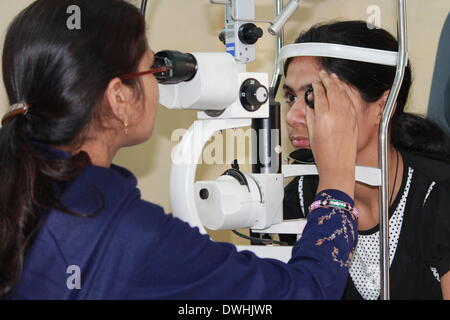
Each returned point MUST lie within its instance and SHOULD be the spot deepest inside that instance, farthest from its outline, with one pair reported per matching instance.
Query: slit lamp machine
(226, 96)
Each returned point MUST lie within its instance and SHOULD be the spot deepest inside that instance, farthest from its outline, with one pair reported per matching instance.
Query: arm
(183, 264)
(441, 247)
(436, 208)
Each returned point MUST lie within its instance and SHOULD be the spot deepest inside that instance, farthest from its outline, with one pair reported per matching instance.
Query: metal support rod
(283, 16)
(268, 134)
(279, 44)
(383, 151)
(143, 7)
(265, 159)
(220, 2)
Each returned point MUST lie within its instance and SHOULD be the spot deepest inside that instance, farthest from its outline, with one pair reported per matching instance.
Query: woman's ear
(380, 104)
(119, 98)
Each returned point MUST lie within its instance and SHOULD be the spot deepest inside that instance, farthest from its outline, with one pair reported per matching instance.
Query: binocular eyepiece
(179, 66)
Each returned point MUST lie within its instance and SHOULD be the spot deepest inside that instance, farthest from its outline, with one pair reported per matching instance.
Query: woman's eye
(290, 98)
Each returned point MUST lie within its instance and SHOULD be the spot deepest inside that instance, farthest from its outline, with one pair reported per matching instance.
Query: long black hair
(408, 131)
(62, 73)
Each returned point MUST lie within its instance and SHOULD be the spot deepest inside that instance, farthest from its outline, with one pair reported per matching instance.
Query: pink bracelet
(334, 204)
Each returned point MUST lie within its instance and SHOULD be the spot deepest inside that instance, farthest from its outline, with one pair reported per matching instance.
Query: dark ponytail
(408, 131)
(62, 74)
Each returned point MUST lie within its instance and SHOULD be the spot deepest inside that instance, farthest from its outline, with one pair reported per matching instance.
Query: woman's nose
(296, 115)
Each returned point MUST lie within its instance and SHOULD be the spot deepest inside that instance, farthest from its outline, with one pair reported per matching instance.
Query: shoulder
(108, 246)
(141, 219)
(133, 216)
(430, 184)
(431, 177)
(108, 212)
(438, 196)
(433, 169)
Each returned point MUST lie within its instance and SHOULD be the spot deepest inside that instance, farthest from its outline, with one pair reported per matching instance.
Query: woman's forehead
(305, 64)
(301, 72)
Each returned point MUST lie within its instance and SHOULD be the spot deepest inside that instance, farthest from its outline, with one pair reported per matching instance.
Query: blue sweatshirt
(133, 250)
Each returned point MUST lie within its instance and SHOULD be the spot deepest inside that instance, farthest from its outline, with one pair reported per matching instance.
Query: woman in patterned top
(419, 169)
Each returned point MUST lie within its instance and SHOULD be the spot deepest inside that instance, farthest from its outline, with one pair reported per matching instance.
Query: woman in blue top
(73, 225)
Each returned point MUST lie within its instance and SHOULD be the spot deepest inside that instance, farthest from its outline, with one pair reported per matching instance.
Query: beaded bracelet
(335, 204)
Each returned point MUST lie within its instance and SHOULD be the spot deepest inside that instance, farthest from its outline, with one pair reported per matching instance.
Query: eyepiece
(309, 97)
(180, 66)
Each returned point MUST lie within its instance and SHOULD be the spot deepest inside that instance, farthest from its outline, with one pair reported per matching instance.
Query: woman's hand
(333, 134)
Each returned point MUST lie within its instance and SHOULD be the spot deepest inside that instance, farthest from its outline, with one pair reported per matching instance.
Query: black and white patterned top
(365, 266)
(419, 233)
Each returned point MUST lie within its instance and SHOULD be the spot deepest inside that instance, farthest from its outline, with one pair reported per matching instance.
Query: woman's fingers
(332, 126)
(347, 89)
(320, 97)
(331, 87)
(337, 93)
(348, 105)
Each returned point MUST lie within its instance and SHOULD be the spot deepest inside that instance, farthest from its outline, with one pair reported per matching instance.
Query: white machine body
(214, 87)
(235, 109)
(244, 10)
(229, 204)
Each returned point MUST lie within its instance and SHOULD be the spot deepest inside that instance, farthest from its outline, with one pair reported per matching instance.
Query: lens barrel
(180, 67)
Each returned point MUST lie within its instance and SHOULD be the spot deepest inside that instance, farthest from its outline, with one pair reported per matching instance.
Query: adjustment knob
(253, 95)
(222, 36)
(249, 33)
(204, 194)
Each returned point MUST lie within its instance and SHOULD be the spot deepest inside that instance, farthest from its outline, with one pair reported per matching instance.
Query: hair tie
(15, 110)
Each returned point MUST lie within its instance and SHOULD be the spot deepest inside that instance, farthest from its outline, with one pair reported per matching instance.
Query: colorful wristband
(334, 204)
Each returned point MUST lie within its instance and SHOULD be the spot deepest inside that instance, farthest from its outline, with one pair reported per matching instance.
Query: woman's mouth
(300, 142)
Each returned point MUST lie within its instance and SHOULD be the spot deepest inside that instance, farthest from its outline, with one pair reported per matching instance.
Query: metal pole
(143, 7)
(383, 151)
(279, 44)
(268, 133)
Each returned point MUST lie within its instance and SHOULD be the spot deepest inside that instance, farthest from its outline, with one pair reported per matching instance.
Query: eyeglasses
(159, 66)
